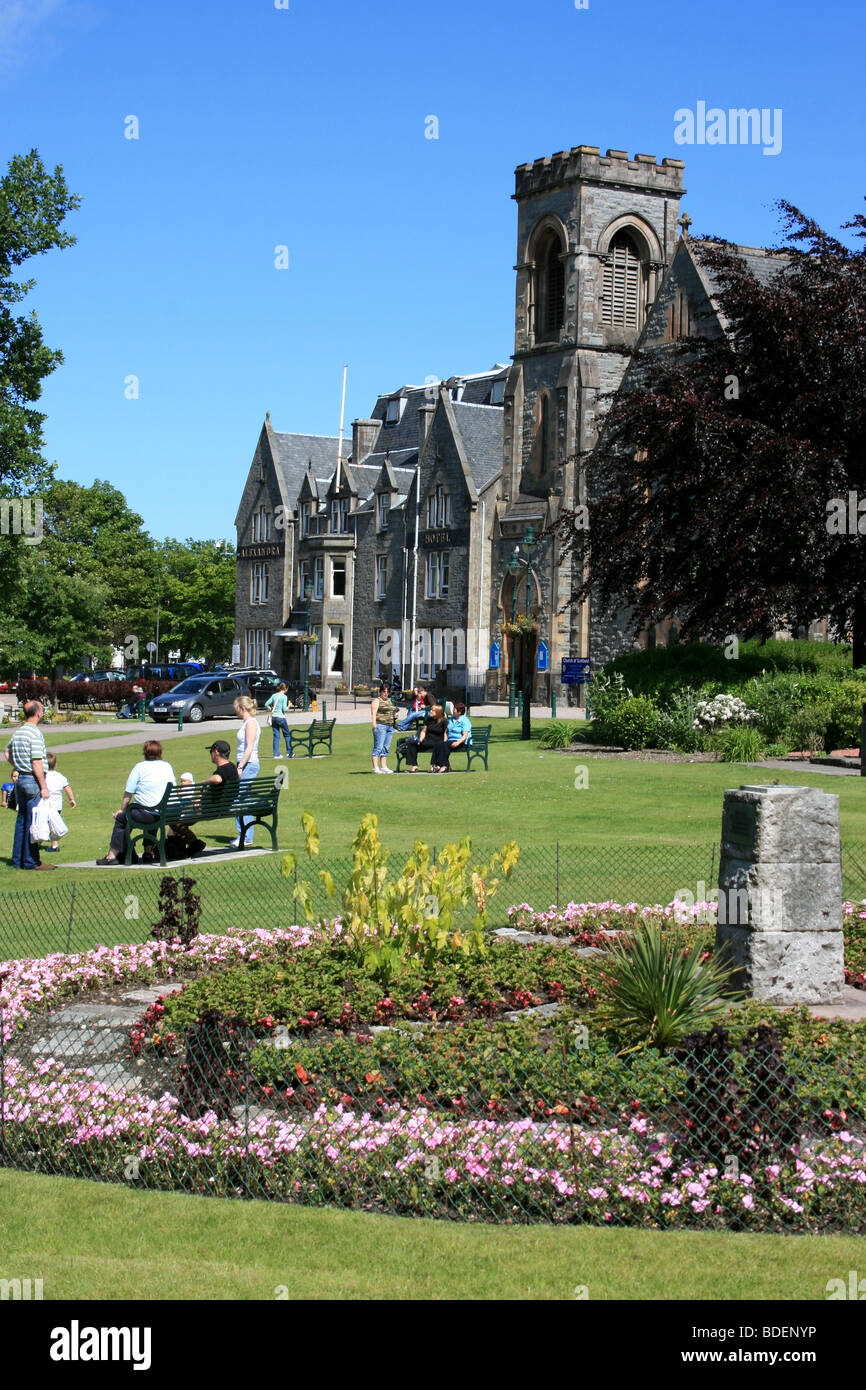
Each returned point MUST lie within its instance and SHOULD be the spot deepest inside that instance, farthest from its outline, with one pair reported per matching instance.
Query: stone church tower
(595, 237)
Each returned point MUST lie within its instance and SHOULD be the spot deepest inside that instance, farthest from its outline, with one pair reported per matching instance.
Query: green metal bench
(477, 747)
(319, 732)
(255, 802)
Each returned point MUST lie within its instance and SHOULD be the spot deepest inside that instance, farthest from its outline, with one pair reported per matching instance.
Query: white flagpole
(342, 416)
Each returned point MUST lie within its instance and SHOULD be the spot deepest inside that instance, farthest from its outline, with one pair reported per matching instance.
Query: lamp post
(308, 595)
(514, 571)
(529, 542)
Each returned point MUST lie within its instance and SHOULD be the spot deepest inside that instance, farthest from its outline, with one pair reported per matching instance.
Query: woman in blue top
(278, 704)
(458, 736)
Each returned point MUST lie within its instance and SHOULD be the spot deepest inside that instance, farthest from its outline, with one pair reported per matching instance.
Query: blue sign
(542, 661)
(495, 656)
(575, 670)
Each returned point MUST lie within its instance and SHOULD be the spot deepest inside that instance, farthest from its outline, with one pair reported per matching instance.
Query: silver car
(198, 697)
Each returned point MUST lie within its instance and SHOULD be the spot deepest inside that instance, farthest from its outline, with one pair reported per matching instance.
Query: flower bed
(468, 1117)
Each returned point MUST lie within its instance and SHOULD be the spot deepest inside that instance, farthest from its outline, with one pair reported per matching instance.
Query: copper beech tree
(728, 488)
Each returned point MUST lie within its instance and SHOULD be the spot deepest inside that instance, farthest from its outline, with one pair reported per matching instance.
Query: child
(9, 800)
(57, 784)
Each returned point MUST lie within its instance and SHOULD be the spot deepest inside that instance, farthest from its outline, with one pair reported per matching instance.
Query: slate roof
(293, 454)
(764, 265)
(481, 430)
(404, 433)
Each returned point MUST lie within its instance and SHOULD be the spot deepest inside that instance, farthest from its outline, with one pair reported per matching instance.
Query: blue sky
(304, 127)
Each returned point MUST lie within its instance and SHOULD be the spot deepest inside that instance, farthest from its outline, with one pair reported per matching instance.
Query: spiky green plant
(659, 991)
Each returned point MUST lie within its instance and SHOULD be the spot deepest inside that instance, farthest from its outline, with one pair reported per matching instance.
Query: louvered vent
(620, 305)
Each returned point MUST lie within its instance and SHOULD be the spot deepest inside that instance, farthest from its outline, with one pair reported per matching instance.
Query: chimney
(425, 421)
(364, 434)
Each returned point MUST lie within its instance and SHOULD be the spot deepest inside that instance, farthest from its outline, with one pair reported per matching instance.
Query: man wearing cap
(225, 775)
(26, 752)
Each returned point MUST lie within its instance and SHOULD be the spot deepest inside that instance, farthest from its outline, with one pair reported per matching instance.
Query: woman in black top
(432, 733)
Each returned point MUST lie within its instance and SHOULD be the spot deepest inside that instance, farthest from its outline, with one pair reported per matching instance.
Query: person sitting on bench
(225, 775)
(458, 736)
(431, 736)
(418, 710)
(146, 783)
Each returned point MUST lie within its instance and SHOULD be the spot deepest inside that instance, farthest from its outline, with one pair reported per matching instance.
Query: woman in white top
(247, 756)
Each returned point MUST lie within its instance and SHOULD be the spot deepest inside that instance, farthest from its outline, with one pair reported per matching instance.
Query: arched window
(550, 286)
(622, 298)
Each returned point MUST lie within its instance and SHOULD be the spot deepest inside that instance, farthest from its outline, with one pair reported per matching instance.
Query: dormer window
(497, 392)
(392, 411)
(335, 517)
(384, 510)
(345, 512)
(305, 518)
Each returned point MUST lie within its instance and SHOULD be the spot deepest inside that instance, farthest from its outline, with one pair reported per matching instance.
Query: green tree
(711, 484)
(197, 606)
(33, 205)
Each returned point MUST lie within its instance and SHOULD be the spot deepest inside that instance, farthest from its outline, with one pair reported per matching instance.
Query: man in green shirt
(27, 753)
(278, 704)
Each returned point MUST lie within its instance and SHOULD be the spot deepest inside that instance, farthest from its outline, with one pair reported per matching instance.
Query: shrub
(722, 710)
(738, 744)
(845, 702)
(562, 733)
(606, 693)
(633, 723)
(676, 723)
(808, 726)
(179, 911)
(660, 991)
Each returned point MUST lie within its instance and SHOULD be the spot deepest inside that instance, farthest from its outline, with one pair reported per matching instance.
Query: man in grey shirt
(26, 752)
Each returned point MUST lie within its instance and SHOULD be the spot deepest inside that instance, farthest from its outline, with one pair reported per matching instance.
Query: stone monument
(780, 894)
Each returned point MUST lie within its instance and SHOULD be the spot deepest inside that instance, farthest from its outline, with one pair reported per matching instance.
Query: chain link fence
(121, 904)
(521, 1122)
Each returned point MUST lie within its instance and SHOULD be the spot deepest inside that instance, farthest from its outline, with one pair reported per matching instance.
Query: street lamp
(529, 542)
(514, 571)
(308, 595)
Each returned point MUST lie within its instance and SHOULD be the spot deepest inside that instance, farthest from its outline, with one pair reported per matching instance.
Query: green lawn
(528, 794)
(94, 1241)
(638, 831)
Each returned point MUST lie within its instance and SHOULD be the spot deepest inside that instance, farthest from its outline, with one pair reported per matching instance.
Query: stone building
(407, 532)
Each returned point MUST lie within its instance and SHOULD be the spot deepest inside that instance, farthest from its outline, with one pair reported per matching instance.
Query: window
(550, 286)
(319, 577)
(426, 669)
(678, 318)
(336, 648)
(266, 578)
(305, 518)
(392, 412)
(497, 393)
(261, 525)
(438, 508)
(345, 512)
(384, 510)
(387, 651)
(255, 526)
(335, 516)
(256, 584)
(381, 576)
(315, 653)
(621, 294)
(438, 566)
(338, 579)
(258, 651)
(303, 576)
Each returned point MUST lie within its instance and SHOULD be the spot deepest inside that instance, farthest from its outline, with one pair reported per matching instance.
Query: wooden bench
(477, 747)
(254, 801)
(320, 731)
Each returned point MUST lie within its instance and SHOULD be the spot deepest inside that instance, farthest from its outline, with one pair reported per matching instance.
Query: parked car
(199, 697)
(261, 685)
(173, 671)
(111, 675)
